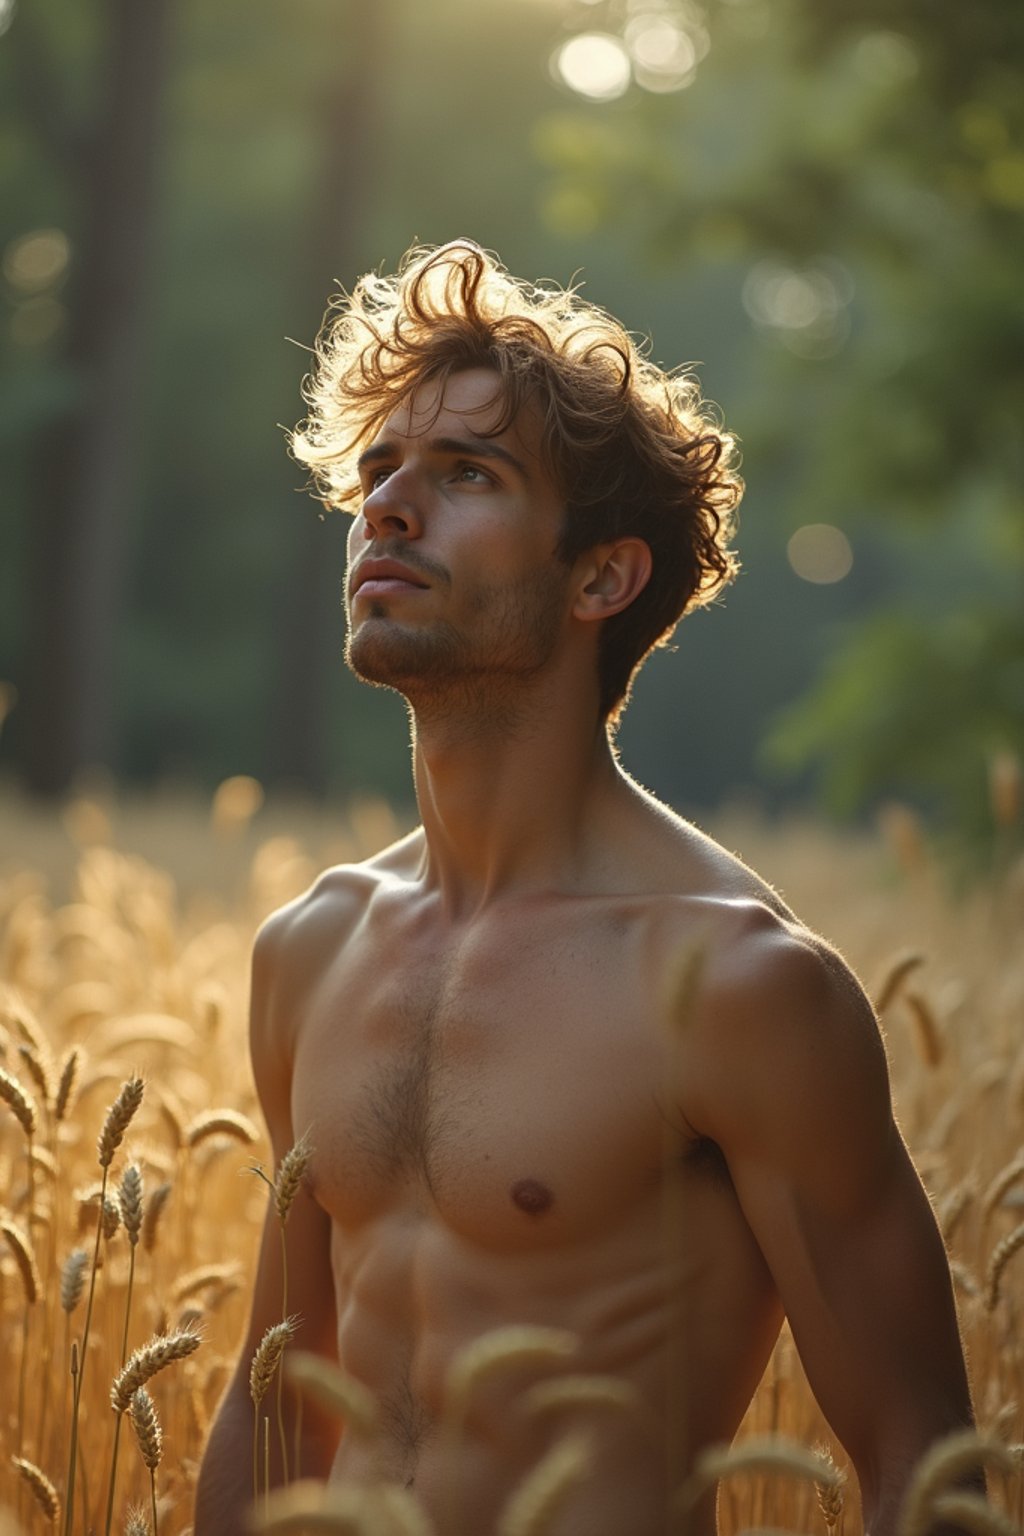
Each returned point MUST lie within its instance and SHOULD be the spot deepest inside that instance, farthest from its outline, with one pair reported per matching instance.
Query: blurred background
(822, 204)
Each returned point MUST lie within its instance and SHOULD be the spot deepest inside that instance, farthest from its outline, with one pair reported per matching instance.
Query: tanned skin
(475, 1029)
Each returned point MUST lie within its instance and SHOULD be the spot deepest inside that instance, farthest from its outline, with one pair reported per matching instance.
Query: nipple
(532, 1196)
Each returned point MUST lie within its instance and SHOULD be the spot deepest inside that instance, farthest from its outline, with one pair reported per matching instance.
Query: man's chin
(392, 658)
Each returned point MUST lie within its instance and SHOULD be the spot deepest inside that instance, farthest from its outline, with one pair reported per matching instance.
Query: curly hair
(633, 449)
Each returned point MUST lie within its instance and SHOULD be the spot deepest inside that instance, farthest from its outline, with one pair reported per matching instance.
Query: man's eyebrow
(475, 447)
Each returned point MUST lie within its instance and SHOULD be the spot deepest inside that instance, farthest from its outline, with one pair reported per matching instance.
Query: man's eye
(472, 474)
(377, 478)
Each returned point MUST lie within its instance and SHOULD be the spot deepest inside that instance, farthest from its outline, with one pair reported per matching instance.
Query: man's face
(452, 572)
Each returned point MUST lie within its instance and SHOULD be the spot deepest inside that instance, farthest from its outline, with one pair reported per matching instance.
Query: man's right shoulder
(307, 932)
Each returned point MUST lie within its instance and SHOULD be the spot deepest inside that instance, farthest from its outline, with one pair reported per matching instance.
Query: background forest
(820, 203)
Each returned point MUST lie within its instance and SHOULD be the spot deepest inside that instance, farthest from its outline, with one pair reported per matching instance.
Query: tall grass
(114, 970)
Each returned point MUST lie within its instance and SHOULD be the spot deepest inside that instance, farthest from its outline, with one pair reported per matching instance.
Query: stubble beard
(483, 671)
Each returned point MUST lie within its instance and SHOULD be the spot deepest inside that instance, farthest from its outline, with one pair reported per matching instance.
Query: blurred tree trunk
(312, 625)
(86, 457)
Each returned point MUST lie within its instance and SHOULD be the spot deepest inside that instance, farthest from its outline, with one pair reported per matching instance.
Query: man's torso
(498, 1143)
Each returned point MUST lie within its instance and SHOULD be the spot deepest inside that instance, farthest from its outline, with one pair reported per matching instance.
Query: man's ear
(610, 577)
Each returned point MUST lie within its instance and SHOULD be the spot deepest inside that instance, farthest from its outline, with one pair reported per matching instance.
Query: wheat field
(129, 1130)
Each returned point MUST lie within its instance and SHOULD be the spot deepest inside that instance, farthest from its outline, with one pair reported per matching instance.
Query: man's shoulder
(780, 1039)
(320, 920)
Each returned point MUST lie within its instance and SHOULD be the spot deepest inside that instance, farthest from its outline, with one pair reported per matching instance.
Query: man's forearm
(224, 1491)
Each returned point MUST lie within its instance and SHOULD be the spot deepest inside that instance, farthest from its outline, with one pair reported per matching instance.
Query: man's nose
(393, 508)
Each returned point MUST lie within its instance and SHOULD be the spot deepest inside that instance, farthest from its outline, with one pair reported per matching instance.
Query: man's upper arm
(275, 1009)
(796, 1094)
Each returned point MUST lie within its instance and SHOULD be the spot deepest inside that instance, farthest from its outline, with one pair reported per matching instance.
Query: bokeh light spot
(821, 553)
(664, 54)
(6, 15)
(806, 308)
(37, 321)
(595, 65)
(886, 58)
(1004, 180)
(36, 261)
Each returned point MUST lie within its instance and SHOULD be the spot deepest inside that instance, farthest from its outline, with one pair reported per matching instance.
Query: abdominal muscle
(412, 1295)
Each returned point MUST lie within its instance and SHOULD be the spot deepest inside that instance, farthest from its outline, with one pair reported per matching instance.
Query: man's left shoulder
(784, 1040)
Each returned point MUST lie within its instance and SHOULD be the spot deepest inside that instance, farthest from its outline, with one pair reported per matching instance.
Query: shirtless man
(513, 1121)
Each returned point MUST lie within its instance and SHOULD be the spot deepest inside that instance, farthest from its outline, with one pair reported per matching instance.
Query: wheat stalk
(129, 1197)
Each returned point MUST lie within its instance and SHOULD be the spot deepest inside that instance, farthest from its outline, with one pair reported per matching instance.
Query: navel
(532, 1196)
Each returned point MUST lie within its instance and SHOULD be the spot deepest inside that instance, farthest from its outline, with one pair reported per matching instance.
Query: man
(565, 1062)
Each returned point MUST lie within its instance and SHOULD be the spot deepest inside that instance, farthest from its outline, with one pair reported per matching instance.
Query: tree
(85, 453)
(863, 161)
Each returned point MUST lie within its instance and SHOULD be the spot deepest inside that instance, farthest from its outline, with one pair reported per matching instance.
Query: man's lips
(381, 576)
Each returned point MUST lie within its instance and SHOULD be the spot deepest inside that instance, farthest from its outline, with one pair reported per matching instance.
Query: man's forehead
(475, 397)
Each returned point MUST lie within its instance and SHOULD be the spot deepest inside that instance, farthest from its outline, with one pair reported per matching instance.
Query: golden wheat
(124, 971)
(145, 1362)
(43, 1491)
(148, 1433)
(539, 1496)
(1001, 1256)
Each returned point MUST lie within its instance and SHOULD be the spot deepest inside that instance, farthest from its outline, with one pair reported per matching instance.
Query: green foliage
(872, 149)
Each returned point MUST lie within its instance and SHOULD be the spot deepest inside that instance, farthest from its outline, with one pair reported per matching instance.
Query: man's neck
(511, 799)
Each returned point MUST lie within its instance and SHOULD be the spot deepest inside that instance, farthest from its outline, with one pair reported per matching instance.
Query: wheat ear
(72, 1278)
(333, 1389)
(145, 1362)
(543, 1491)
(950, 1459)
(767, 1453)
(1000, 1257)
(43, 1491)
(151, 1216)
(308, 1507)
(144, 1421)
(221, 1122)
(286, 1186)
(1003, 1180)
(67, 1082)
(20, 1101)
(899, 969)
(265, 1362)
(119, 1117)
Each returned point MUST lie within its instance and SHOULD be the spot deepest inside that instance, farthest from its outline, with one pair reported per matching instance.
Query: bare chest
(510, 1085)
